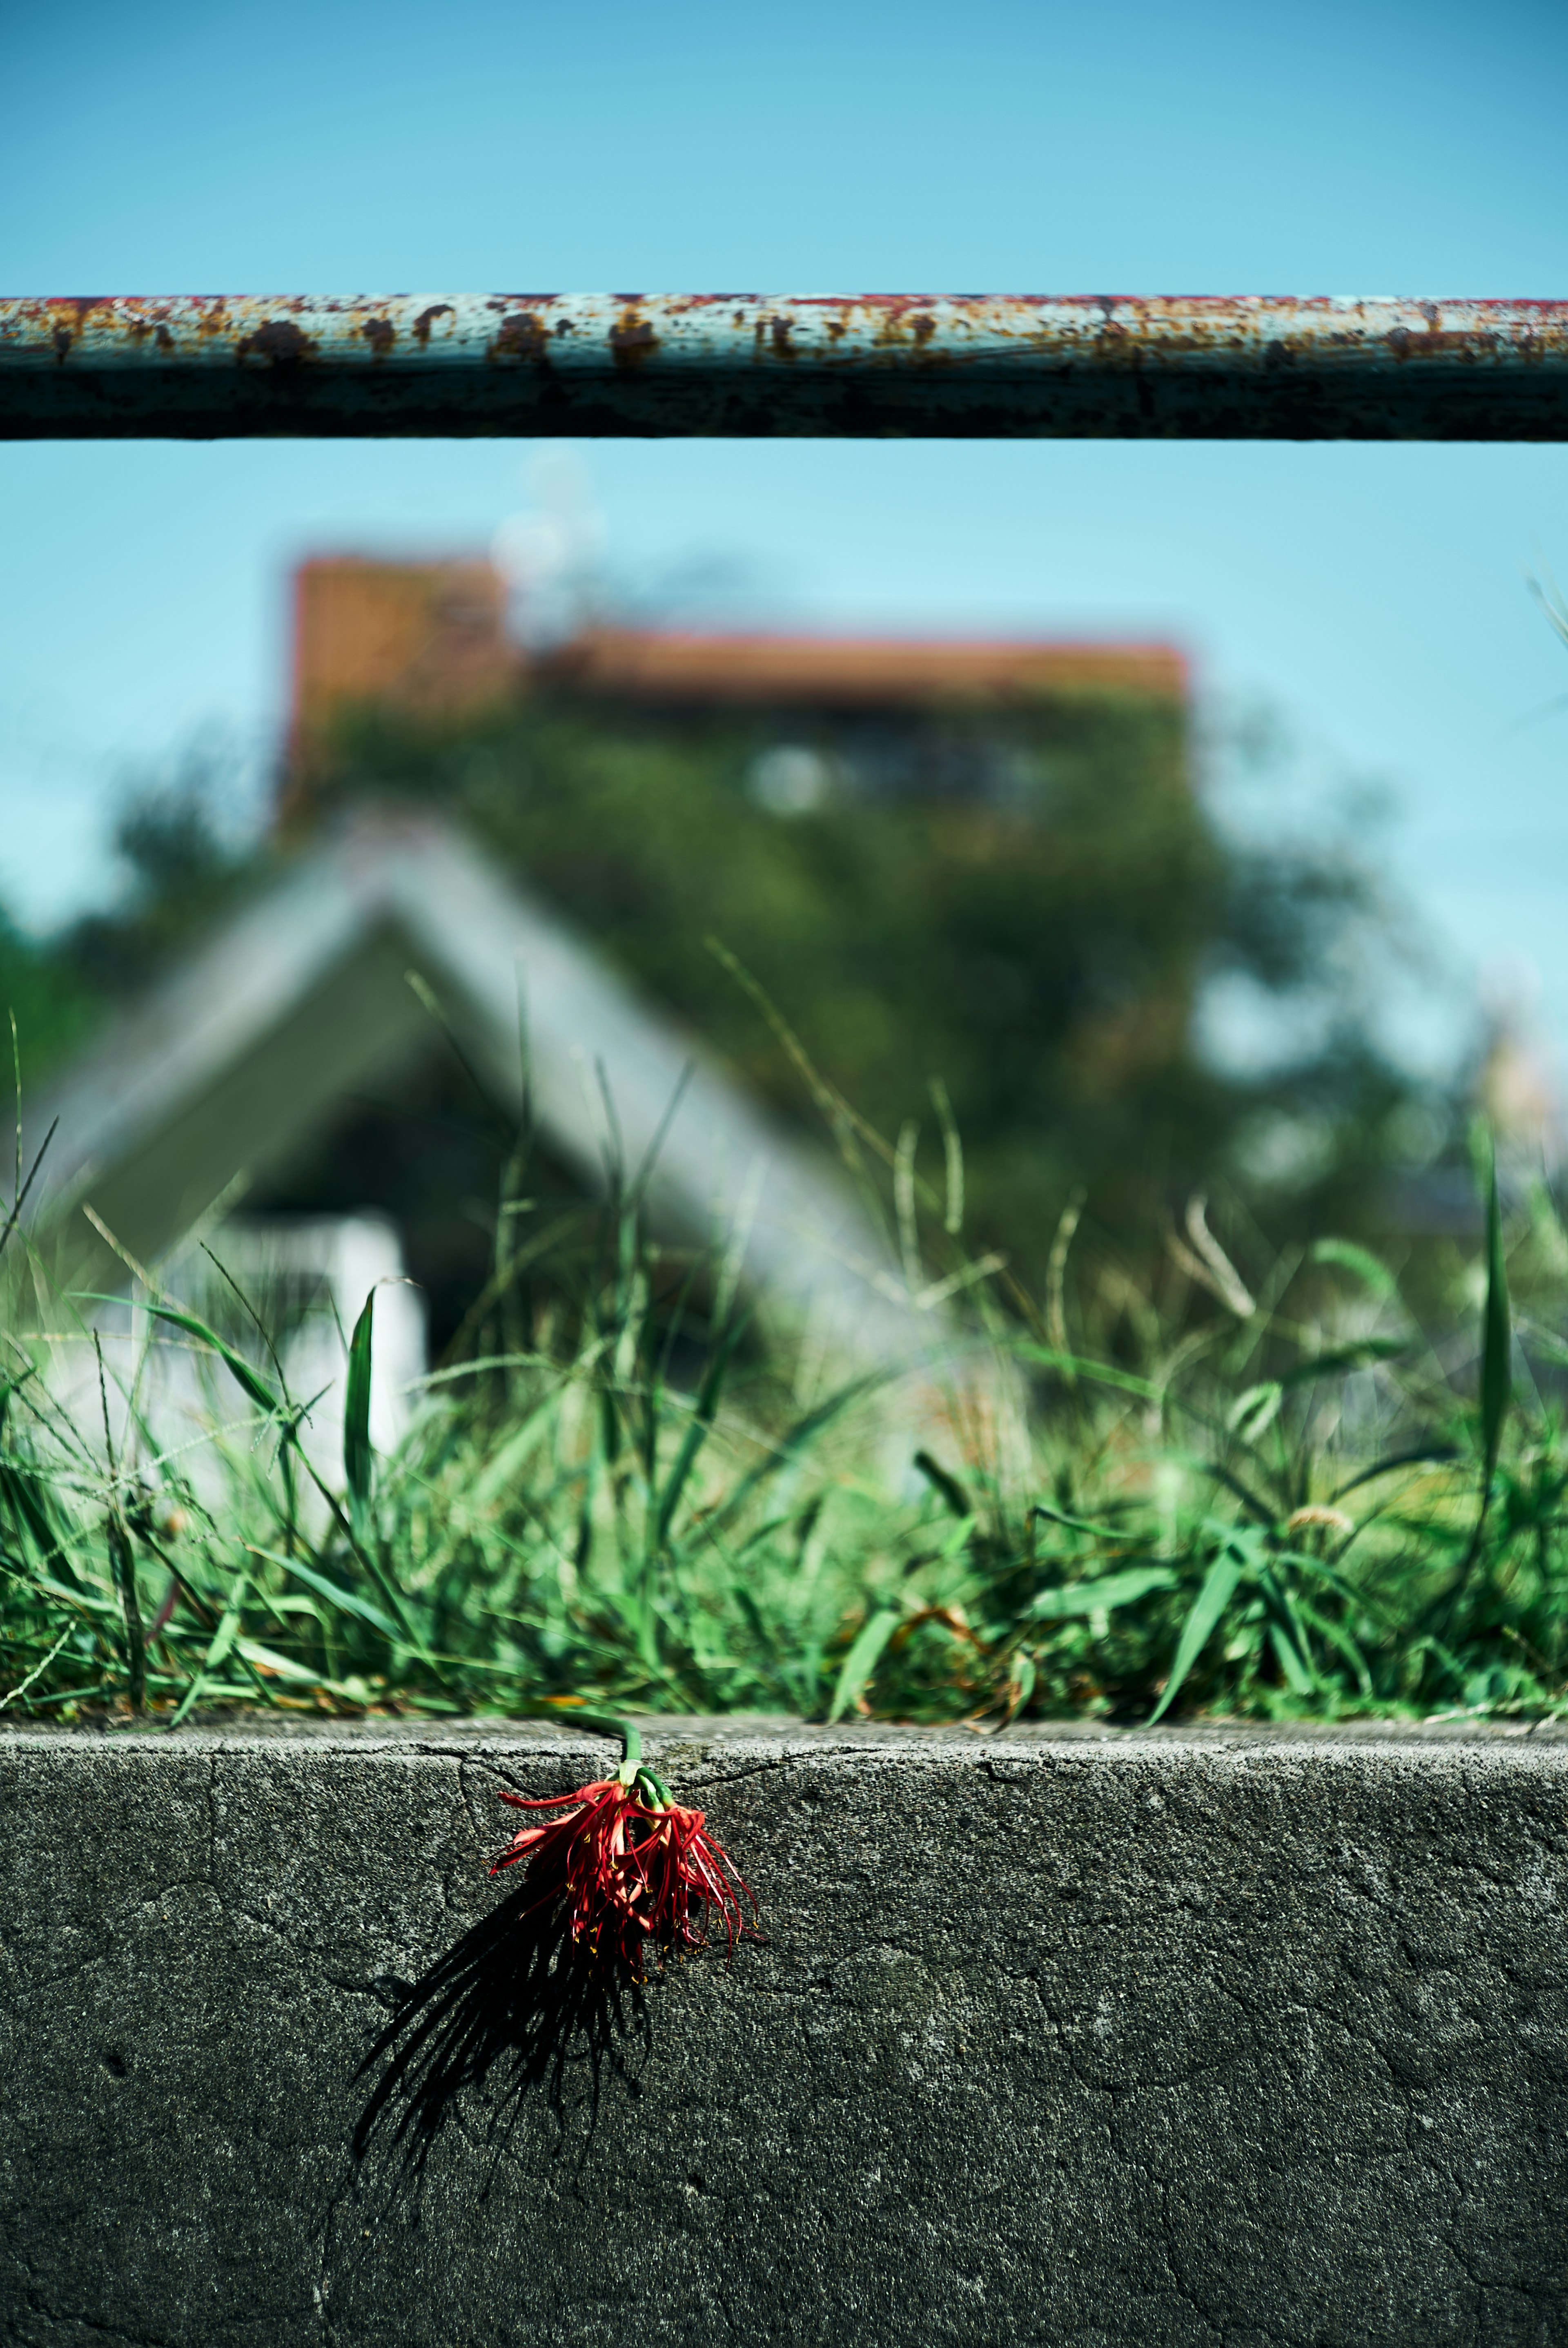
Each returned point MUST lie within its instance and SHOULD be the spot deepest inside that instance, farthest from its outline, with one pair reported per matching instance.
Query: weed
(1245, 1487)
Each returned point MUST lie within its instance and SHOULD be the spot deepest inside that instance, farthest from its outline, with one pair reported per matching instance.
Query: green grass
(1249, 1485)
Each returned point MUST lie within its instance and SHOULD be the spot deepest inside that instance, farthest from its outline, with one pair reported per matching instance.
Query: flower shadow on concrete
(516, 2009)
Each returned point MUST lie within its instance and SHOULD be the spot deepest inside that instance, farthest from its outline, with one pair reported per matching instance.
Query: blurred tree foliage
(179, 872)
(1031, 922)
(52, 1004)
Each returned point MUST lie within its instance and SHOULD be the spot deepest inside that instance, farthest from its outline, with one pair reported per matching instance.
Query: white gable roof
(304, 997)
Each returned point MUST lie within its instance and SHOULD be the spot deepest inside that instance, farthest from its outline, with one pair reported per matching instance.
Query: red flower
(633, 1867)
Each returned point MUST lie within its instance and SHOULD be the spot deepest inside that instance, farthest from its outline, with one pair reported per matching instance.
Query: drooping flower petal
(630, 1870)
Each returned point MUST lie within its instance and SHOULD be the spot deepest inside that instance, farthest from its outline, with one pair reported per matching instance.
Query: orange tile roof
(670, 665)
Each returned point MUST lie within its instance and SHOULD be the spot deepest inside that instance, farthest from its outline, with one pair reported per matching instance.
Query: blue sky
(1373, 597)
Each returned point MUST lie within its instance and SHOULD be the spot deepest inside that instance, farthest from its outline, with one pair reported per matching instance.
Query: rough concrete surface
(1191, 2041)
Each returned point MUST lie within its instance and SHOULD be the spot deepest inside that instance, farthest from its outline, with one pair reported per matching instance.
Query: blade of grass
(358, 1458)
(944, 1484)
(218, 1648)
(250, 1381)
(865, 1654)
(20, 1201)
(1496, 1360)
(798, 1436)
(19, 1692)
(347, 1602)
(122, 1567)
(1497, 1342)
(1218, 1590)
(1423, 1455)
(1361, 1353)
(953, 1159)
(697, 1427)
(1359, 1261)
(1050, 1358)
(1077, 1598)
(1286, 1634)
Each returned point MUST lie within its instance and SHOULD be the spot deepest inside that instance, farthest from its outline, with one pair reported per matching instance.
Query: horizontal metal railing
(748, 365)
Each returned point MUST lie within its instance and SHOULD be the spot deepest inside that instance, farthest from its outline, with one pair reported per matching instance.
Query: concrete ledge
(1208, 2041)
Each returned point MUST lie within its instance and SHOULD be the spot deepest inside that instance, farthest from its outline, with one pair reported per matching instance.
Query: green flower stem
(609, 1724)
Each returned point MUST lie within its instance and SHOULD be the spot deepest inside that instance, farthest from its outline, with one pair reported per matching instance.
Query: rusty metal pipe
(1001, 366)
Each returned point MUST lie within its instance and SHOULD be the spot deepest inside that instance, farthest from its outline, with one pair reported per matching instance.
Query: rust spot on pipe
(425, 320)
(522, 337)
(62, 339)
(279, 342)
(922, 326)
(380, 333)
(781, 332)
(632, 341)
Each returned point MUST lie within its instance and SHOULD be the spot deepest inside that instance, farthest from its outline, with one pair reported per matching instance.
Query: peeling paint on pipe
(737, 365)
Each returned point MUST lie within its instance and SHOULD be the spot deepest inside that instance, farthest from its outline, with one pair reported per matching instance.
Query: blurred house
(874, 716)
(354, 1054)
